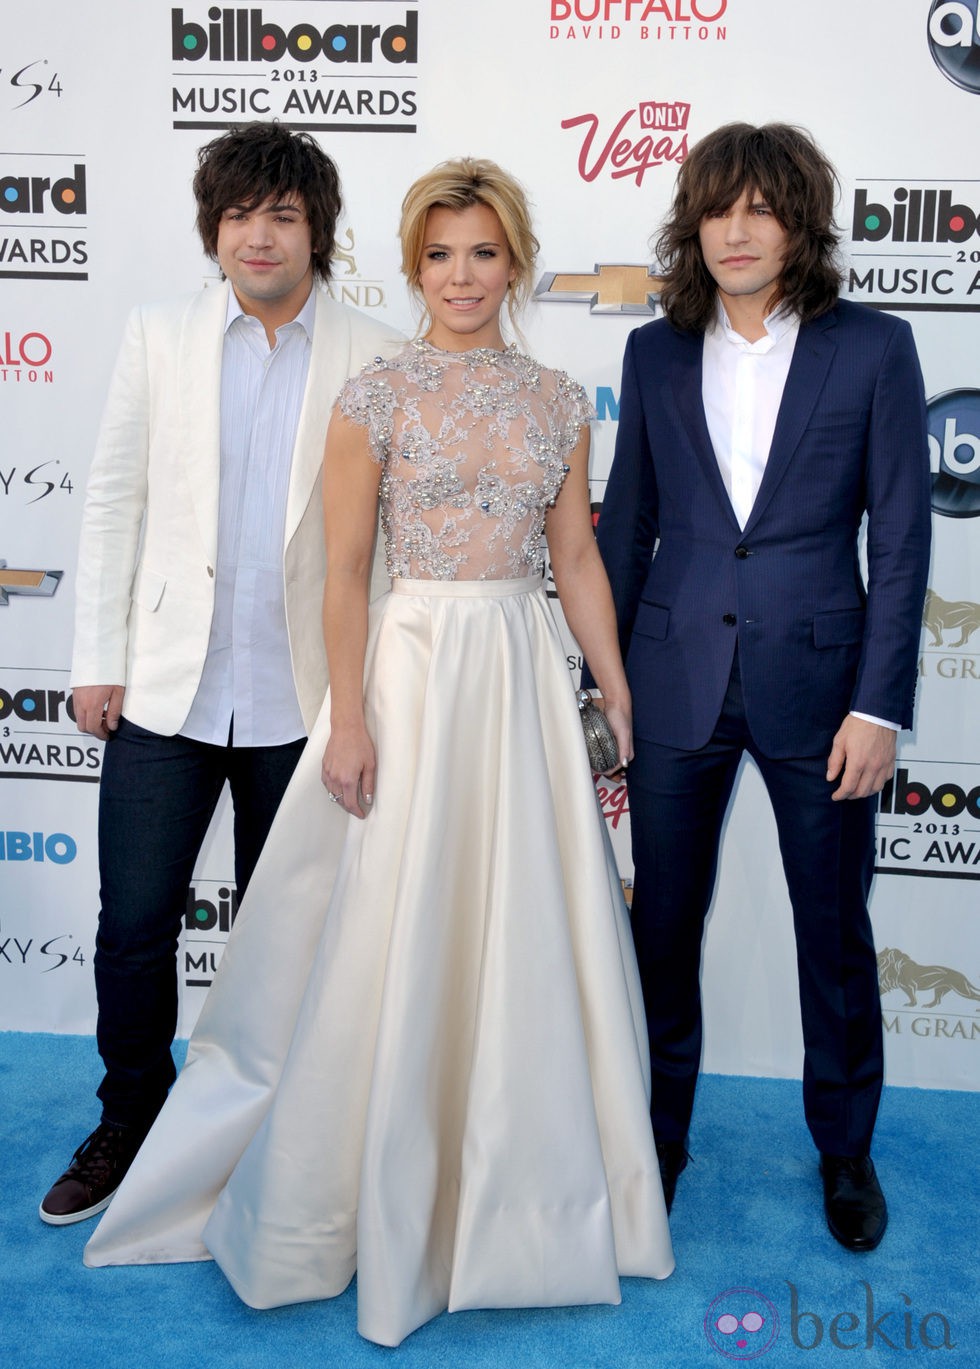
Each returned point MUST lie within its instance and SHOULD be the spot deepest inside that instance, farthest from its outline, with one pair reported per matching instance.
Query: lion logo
(347, 257)
(948, 615)
(896, 970)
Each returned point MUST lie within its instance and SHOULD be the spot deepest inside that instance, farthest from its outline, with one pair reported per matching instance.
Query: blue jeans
(157, 798)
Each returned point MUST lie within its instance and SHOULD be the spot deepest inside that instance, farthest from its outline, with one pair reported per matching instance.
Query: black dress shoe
(673, 1158)
(96, 1171)
(853, 1201)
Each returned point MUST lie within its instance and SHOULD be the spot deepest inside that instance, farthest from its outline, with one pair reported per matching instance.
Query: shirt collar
(781, 322)
(305, 318)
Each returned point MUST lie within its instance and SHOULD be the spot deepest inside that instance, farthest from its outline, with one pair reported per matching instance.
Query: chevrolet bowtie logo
(608, 289)
(38, 582)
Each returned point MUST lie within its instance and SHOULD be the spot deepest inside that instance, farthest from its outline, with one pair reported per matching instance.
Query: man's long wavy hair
(788, 171)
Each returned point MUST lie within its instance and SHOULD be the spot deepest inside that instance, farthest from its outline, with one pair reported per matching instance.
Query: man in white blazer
(198, 647)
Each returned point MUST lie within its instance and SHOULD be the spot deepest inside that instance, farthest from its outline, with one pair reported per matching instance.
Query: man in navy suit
(760, 421)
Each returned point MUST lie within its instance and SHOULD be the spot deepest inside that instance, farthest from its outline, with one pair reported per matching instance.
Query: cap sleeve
(368, 400)
(574, 411)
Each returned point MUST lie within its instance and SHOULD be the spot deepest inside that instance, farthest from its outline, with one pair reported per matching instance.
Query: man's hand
(97, 708)
(862, 758)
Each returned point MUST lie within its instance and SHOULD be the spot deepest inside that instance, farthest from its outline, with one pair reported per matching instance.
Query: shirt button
(729, 619)
(741, 552)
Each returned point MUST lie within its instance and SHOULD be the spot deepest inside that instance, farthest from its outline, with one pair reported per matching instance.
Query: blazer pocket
(843, 627)
(651, 620)
(148, 589)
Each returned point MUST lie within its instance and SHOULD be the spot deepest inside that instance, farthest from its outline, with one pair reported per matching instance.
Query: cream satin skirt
(424, 1055)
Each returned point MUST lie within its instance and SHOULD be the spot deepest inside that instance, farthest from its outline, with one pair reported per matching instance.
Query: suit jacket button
(211, 571)
(741, 552)
(729, 619)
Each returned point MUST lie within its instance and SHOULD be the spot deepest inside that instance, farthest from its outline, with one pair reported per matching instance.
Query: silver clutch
(599, 739)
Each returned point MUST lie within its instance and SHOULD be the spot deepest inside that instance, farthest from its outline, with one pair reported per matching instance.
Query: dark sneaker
(96, 1171)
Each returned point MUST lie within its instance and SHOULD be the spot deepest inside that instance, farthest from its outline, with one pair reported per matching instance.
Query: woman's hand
(349, 768)
(620, 719)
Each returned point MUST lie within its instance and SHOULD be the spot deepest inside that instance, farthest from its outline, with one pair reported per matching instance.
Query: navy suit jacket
(813, 641)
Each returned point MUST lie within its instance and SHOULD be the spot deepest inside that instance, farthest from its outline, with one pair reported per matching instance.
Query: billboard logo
(38, 194)
(36, 253)
(324, 79)
(241, 35)
(915, 215)
(890, 223)
(207, 922)
(927, 821)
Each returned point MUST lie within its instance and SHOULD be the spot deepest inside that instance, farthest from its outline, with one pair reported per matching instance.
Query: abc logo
(954, 452)
(954, 41)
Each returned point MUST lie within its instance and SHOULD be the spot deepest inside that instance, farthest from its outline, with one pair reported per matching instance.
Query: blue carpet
(748, 1234)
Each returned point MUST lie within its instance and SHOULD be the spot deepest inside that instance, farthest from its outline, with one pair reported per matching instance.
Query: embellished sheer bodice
(474, 448)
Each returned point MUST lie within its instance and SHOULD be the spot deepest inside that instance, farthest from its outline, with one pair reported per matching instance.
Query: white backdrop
(592, 103)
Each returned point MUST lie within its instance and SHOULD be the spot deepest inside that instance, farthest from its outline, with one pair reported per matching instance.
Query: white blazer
(145, 584)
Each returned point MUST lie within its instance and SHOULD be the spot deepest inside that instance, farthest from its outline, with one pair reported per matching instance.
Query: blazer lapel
(199, 367)
(815, 350)
(329, 368)
(683, 392)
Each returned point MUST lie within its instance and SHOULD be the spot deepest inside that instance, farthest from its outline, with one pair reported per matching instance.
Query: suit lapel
(199, 367)
(329, 368)
(815, 350)
(684, 392)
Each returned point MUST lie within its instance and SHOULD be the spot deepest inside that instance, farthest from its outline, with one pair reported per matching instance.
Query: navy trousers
(678, 801)
(158, 795)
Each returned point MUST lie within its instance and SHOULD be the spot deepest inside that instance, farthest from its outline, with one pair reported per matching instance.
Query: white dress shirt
(248, 672)
(742, 387)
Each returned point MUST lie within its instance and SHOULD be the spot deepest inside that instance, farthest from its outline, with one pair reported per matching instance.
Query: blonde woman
(424, 1056)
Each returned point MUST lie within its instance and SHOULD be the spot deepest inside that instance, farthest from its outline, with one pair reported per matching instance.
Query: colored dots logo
(954, 452)
(954, 41)
(245, 35)
(741, 1324)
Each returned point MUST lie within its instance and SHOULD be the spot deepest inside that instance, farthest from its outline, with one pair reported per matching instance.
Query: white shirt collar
(306, 316)
(777, 325)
